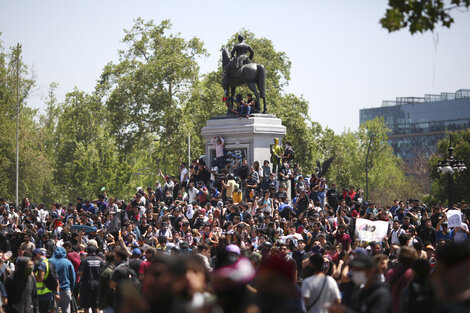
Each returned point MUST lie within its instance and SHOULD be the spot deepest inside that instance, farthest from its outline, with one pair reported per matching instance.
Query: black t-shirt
(121, 274)
(332, 195)
(251, 182)
(205, 175)
(134, 264)
(284, 172)
(90, 268)
(302, 204)
(143, 228)
(243, 172)
(289, 154)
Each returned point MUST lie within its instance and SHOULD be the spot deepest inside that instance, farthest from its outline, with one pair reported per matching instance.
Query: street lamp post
(450, 166)
(367, 165)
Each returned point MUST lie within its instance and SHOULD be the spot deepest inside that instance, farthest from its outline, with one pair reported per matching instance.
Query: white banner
(454, 218)
(367, 230)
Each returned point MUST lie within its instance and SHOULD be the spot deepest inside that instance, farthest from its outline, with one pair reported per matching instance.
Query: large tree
(86, 155)
(145, 90)
(387, 180)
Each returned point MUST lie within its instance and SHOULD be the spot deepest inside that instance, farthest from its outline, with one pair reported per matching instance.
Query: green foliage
(34, 168)
(419, 15)
(439, 188)
(86, 157)
(387, 180)
(144, 92)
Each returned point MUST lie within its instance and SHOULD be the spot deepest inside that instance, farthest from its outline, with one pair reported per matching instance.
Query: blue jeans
(245, 110)
(321, 199)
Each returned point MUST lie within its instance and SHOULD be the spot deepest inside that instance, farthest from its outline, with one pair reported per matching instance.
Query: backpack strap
(319, 294)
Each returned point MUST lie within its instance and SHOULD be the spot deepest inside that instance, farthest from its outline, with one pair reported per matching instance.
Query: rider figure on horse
(239, 57)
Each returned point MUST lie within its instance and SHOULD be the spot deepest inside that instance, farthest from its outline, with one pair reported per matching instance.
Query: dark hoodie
(64, 269)
(21, 290)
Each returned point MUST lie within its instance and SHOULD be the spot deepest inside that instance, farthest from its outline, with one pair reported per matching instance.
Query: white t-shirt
(42, 215)
(311, 288)
(459, 235)
(395, 234)
(184, 172)
(192, 195)
(190, 212)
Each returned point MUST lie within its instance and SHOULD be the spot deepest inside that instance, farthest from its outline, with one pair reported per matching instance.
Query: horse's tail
(261, 78)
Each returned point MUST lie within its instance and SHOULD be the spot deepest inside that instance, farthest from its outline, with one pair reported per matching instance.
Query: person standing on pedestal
(218, 142)
(276, 154)
(288, 153)
(266, 174)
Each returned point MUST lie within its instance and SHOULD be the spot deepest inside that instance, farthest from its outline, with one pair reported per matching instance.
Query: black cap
(316, 260)
(364, 262)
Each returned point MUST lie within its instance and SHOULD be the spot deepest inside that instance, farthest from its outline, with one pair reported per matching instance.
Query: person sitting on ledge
(246, 108)
(255, 108)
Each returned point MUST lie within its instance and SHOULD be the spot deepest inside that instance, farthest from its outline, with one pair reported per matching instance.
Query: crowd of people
(233, 238)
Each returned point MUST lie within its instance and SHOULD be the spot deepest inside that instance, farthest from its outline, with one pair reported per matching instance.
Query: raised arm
(252, 53)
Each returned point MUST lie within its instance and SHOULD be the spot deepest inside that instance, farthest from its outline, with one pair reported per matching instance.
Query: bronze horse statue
(252, 75)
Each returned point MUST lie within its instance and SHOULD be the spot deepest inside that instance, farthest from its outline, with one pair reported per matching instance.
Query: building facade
(418, 123)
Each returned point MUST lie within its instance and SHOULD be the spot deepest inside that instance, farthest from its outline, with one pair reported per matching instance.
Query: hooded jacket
(64, 269)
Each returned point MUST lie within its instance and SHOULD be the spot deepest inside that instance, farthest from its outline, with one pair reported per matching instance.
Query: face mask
(359, 278)
(28, 271)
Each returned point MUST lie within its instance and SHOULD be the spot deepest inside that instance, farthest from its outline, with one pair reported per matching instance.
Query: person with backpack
(66, 275)
(122, 278)
(47, 284)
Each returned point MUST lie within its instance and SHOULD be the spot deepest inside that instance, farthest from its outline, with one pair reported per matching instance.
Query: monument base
(248, 138)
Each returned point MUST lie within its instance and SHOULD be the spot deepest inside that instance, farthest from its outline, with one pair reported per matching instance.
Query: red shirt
(399, 278)
(344, 239)
(74, 257)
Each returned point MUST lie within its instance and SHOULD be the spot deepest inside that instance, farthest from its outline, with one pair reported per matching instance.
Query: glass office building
(418, 123)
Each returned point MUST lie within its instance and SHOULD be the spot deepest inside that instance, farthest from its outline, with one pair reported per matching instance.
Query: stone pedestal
(244, 137)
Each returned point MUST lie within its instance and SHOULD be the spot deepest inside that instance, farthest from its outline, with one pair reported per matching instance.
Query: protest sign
(454, 218)
(368, 231)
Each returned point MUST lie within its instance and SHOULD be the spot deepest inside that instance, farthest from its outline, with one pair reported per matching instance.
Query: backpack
(132, 279)
(51, 280)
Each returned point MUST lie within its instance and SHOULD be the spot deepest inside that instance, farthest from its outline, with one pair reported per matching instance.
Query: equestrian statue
(238, 70)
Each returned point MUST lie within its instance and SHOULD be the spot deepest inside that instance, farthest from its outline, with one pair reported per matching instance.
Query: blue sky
(342, 60)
